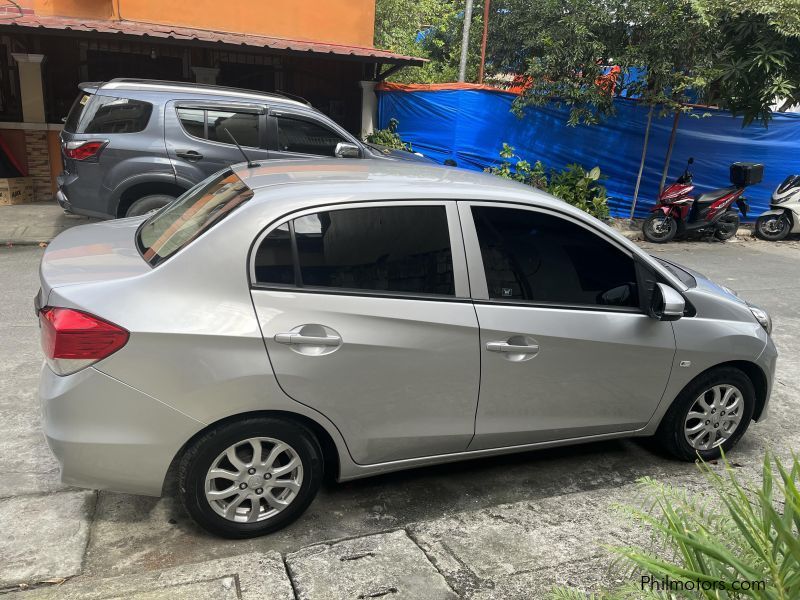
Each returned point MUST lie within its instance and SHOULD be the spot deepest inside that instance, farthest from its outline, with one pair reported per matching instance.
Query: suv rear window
(91, 113)
(199, 209)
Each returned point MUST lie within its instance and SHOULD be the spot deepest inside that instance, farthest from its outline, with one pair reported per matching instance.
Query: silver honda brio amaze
(278, 320)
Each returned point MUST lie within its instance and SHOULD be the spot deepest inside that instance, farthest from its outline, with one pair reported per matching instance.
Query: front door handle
(512, 348)
(190, 155)
(308, 340)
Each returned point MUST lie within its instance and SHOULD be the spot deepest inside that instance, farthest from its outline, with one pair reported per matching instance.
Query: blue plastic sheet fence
(470, 126)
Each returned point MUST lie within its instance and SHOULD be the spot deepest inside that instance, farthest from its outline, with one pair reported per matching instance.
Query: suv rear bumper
(62, 200)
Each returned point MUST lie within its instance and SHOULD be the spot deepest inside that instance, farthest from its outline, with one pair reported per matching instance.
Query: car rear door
(566, 349)
(366, 316)
(198, 144)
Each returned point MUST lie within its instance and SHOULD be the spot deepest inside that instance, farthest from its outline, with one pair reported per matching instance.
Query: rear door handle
(190, 155)
(512, 348)
(308, 340)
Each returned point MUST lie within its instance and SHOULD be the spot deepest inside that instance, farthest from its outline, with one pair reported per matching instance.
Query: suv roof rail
(130, 83)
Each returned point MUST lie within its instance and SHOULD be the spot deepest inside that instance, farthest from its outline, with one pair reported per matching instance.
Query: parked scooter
(783, 216)
(677, 213)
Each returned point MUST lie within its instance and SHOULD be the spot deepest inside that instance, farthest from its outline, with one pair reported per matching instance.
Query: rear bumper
(63, 202)
(107, 435)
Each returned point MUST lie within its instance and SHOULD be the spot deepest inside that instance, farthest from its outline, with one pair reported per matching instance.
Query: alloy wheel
(714, 417)
(254, 480)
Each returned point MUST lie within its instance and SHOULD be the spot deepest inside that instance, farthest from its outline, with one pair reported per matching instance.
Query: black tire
(148, 204)
(772, 228)
(199, 457)
(671, 432)
(659, 228)
(727, 227)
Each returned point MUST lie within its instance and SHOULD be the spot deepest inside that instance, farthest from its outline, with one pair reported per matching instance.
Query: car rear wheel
(709, 416)
(250, 477)
(148, 204)
(727, 227)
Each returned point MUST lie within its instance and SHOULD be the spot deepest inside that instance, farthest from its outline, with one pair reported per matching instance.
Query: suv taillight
(84, 150)
(72, 340)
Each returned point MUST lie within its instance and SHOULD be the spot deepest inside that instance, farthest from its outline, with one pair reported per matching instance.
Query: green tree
(757, 57)
(565, 47)
(739, 54)
(429, 29)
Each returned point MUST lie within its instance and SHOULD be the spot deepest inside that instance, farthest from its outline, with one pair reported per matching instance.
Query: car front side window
(302, 136)
(537, 257)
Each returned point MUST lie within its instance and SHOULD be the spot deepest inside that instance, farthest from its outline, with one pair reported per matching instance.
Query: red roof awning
(189, 34)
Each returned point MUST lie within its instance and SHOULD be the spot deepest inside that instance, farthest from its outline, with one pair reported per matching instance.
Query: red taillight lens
(72, 340)
(83, 150)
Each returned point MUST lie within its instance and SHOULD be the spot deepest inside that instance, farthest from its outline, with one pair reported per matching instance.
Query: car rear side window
(92, 113)
(210, 124)
(537, 257)
(305, 137)
(393, 249)
(199, 209)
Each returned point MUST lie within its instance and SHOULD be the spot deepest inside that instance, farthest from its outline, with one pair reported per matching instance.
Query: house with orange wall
(320, 50)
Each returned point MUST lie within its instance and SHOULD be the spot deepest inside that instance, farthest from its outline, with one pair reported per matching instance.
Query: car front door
(566, 349)
(197, 139)
(366, 316)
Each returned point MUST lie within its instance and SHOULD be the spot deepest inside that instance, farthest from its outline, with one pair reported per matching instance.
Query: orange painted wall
(348, 22)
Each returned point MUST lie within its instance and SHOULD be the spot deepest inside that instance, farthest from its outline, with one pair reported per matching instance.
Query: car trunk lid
(91, 253)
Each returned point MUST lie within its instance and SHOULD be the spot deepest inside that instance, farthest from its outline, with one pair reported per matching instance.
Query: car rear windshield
(199, 209)
(92, 113)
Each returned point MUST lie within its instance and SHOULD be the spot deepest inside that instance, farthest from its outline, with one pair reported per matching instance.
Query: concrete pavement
(31, 224)
(507, 527)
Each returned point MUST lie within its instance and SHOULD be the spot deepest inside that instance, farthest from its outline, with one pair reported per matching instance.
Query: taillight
(83, 150)
(72, 340)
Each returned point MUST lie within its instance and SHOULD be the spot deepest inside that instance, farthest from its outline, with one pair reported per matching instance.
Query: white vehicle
(783, 217)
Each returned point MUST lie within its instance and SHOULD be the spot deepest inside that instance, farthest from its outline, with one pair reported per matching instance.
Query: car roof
(384, 178)
(183, 87)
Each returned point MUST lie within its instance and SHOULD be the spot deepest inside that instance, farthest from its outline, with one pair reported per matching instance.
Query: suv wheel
(709, 416)
(251, 477)
(148, 204)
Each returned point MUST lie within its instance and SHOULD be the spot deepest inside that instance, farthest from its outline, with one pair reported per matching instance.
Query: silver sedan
(282, 320)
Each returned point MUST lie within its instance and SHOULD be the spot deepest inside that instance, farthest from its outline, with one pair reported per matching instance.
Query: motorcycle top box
(744, 173)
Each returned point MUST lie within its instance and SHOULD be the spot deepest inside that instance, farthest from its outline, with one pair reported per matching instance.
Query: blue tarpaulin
(470, 126)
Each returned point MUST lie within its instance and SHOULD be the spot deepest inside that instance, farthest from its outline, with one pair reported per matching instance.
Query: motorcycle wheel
(772, 227)
(727, 227)
(659, 228)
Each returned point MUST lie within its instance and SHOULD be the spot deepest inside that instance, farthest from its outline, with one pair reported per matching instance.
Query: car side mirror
(666, 304)
(347, 150)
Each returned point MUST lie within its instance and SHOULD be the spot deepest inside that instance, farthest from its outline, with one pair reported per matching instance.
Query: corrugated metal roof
(172, 32)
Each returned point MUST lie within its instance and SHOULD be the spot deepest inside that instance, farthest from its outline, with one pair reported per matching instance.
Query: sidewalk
(31, 224)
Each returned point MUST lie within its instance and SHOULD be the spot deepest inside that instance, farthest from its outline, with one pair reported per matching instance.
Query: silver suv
(368, 316)
(130, 146)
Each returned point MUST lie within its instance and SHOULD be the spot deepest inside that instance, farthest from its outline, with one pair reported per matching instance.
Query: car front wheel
(250, 477)
(709, 416)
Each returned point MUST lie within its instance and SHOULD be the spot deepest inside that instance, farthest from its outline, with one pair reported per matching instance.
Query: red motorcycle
(678, 214)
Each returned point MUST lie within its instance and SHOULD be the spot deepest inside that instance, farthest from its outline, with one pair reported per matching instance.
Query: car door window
(306, 137)
(393, 249)
(210, 124)
(537, 257)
